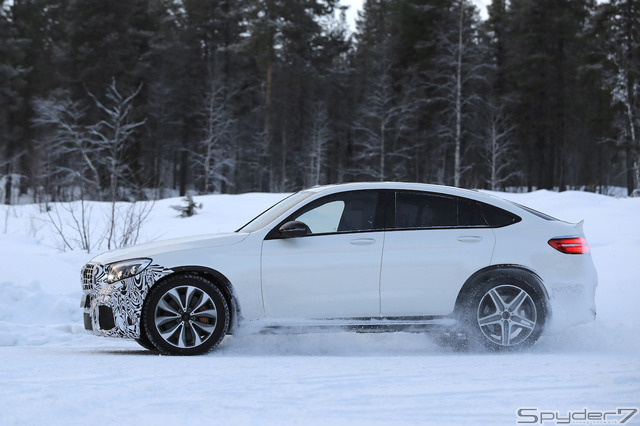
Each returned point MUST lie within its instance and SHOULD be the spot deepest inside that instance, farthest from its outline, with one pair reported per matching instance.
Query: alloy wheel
(185, 316)
(507, 315)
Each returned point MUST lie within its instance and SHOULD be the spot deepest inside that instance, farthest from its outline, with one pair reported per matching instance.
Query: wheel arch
(488, 272)
(217, 278)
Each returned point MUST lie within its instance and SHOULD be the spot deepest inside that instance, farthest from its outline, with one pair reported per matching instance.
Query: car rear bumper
(572, 297)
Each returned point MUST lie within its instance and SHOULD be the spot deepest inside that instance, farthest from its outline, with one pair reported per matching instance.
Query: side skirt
(358, 325)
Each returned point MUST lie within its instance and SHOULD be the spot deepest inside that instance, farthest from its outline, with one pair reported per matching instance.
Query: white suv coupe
(363, 256)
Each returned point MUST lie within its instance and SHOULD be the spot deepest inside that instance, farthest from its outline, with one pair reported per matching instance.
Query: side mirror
(294, 229)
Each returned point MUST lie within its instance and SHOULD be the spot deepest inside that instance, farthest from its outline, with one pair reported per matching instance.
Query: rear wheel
(186, 315)
(506, 312)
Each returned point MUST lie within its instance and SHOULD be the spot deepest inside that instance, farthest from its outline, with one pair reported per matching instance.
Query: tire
(506, 312)
(185, 315)
(144, 341)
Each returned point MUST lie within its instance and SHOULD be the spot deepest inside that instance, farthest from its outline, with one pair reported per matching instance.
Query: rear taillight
(570, 245)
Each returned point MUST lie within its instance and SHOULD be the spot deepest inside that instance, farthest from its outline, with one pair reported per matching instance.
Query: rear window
(537, 213)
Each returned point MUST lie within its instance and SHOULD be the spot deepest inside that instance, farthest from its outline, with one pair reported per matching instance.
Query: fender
(485, 273)
(223, 284)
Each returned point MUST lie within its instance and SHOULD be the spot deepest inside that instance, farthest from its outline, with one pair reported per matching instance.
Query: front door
(333, 271)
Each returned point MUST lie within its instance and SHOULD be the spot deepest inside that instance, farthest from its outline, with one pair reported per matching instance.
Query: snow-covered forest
(138, 99)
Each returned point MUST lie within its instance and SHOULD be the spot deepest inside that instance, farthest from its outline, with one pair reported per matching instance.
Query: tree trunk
(7, 186)
(631, 186)
(265, 172)
(382, 151)
(633, 163)
(457, 167)
(183, 172)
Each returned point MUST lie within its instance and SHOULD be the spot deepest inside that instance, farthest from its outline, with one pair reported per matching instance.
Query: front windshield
(273, 212)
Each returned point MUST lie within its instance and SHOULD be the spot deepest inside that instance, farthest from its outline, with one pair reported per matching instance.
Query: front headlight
(117, 271)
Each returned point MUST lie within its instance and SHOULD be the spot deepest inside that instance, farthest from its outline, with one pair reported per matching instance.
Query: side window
(354, 211)
(324, 218)
(416, 210)
(469, 214)
(496, 217)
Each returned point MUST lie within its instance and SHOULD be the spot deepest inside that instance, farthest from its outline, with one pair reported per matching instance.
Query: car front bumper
(115, 310)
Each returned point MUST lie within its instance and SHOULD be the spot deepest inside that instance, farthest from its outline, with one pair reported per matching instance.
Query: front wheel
(144, 341)
(506, 312)
(185, 315)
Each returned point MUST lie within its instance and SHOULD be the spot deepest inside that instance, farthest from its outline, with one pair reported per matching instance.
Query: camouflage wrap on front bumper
(122, 300)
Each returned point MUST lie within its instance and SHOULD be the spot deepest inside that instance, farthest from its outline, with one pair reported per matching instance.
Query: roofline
(415, 186)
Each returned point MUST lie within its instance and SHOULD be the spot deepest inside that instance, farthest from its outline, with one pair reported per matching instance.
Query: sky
(356, 5)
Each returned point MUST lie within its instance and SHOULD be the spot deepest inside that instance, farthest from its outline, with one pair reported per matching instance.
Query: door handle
(362, 241)
(470, 239)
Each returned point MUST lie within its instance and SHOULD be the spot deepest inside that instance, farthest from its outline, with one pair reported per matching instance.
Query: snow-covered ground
(52, 372)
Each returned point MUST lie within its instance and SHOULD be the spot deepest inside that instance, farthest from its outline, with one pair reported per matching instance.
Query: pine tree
(13, 75)
(621, 22)
(459, 69)
(286, 41)
(543, 56)
(107, 40)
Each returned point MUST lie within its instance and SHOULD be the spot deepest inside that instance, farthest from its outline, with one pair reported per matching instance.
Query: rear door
(434, 244)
